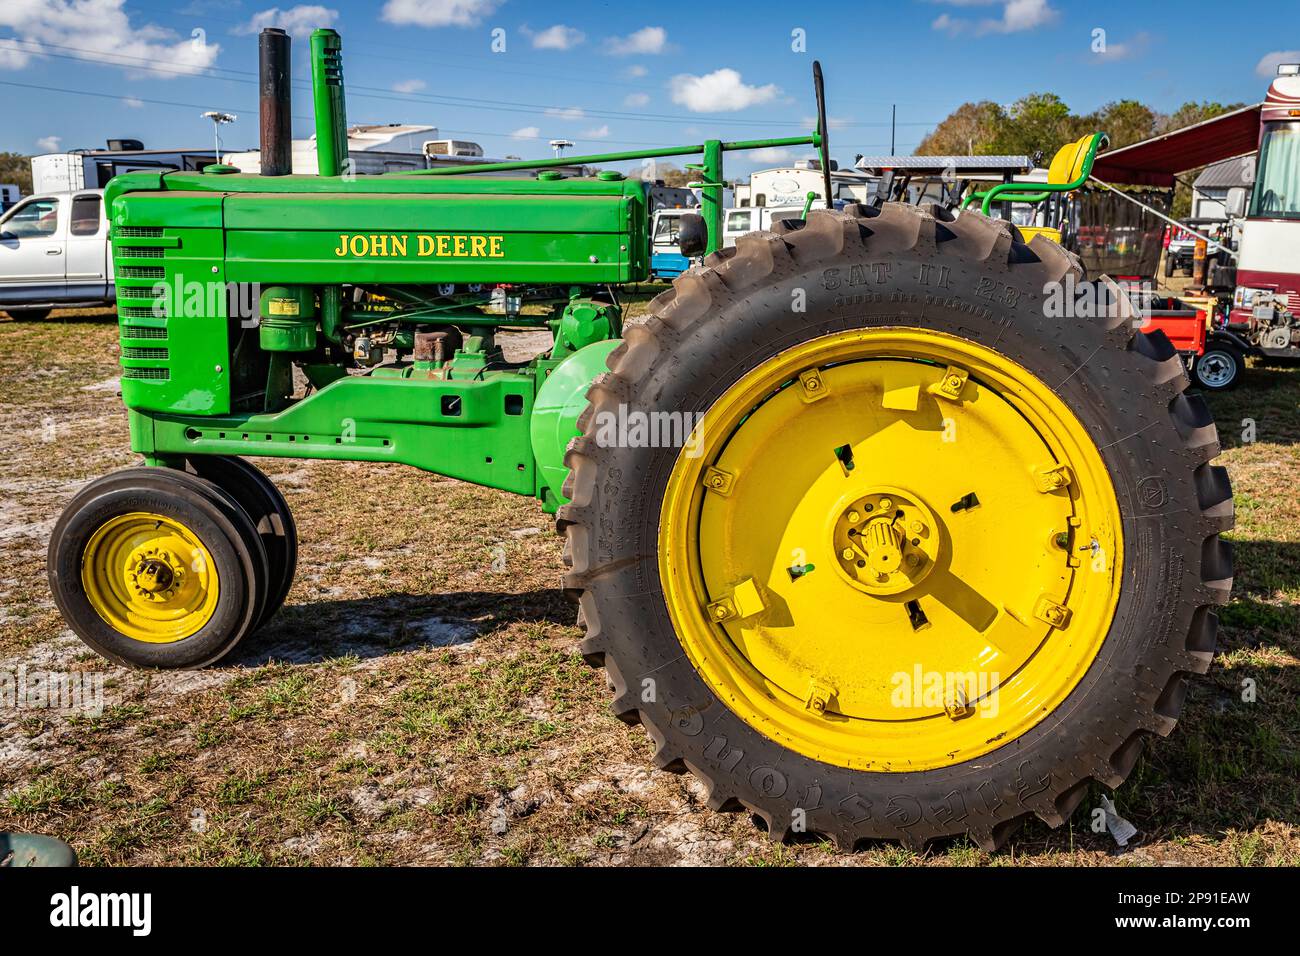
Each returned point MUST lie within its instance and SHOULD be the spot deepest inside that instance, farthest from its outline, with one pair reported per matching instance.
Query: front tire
(690, 587)
(28, 315)
(153, 567)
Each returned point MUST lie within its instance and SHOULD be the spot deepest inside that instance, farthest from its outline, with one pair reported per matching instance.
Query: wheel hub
(887, 541)
(156, 574)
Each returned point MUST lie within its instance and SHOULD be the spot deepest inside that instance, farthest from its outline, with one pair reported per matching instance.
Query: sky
(514, 74)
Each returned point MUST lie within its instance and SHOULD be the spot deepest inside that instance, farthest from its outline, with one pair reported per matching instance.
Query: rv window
(738, 222)
(34, 218)
(85, 216)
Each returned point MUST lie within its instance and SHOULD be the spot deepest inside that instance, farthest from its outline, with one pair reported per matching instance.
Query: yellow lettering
(494, 247)
(478, 246)
(342, 250)
(444, 246)
(358, 246)
(379, 245)
(424, 245)
(399, 245)
(460, 246)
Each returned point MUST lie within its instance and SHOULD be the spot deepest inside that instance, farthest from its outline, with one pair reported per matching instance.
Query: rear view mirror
(1235, 203)
(692, 235)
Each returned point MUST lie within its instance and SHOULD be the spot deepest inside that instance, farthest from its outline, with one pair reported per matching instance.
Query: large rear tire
(1049, 548)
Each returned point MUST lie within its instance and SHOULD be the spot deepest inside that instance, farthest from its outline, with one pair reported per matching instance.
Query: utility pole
(893, 115)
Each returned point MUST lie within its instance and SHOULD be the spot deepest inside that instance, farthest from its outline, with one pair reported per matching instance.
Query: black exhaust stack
(276, 107)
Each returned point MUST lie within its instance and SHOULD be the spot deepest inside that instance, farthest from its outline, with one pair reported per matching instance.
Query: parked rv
(93, 168)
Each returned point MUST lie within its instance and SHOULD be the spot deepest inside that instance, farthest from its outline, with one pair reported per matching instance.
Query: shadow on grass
(1268, 397)
(374, 627)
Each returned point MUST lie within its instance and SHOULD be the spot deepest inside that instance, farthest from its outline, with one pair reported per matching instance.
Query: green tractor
(860, 536)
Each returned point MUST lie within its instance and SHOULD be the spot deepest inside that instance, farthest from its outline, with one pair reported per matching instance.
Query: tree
(16, 168)
(968, 131)
(1035, 122)
(1125, 122)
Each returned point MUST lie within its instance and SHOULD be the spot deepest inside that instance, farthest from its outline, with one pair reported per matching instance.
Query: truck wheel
(1169, 266)
(1218, 368)
(870, 546)
(262, 502)
(28, 315)
(157, 568)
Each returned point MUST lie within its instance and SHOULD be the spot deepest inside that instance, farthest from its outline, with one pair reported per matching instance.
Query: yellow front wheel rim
(149, 577)
(891, 549)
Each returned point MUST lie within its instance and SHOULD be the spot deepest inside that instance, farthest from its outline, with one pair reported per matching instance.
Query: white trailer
(93, 168)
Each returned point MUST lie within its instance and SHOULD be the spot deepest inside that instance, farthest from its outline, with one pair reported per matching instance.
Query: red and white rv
(1266, 304)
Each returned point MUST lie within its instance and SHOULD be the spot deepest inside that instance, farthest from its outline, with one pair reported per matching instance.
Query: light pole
(560, 145)
(218, 120)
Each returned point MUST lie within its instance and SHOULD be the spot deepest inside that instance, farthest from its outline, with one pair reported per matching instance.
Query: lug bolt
(918, 527)
(886, 504)
(913, 560)
(847, 554)
(854, 517)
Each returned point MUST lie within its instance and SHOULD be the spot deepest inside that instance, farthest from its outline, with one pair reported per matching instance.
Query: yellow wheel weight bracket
(149, 577)
(891, 549)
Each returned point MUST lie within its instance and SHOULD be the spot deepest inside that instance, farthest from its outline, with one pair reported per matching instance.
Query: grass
(415, 703)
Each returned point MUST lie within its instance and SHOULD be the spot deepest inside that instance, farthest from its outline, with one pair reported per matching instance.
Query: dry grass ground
(420, 699)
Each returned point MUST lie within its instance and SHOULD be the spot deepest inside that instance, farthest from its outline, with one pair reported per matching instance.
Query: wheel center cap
(887, 541)
(155, 574)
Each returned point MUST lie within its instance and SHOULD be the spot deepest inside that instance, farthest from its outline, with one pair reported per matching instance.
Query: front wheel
(153, 567)
(28, 315)
(1218, 368)
(864, 541)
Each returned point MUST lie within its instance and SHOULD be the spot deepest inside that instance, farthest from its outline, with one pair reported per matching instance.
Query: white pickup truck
(54, 253)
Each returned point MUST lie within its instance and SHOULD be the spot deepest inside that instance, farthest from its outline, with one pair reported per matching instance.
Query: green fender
(560, 400)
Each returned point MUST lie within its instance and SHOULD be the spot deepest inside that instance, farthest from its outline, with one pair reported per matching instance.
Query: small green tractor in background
(861, 537)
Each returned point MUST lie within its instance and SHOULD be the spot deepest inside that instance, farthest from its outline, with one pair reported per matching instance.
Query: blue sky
(618, 75)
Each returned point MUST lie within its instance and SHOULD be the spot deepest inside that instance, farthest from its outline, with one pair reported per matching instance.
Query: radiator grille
(143, 332)
(155, 374)
(141, 272)
(139, 312)
(142, 352)
(140, 252)
(136, 292)
(142, 232)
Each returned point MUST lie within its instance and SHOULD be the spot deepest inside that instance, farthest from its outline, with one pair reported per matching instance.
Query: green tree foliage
(969, 131)
(16, 168)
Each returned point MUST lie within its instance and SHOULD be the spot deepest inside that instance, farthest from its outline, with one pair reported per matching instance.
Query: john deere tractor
(860, 537)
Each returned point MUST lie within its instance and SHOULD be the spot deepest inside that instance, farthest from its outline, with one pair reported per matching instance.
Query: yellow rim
(890, 549)
(149, 577)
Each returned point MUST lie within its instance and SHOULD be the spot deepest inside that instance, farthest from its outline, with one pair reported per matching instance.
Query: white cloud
(636, 99)
(102, 32)
(13, 55)
(719, 91)
(771, 154)
(600, 132)
(834, 122)
(409, 86)
(567, 113)
(526, 132)
(1126, 49)
(297, 21)
(647, 41)
(133, 102)
(636, 71)
(1268, 63)
(1017, 16)
(438, 13)
(49, 144)
(558, 37)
